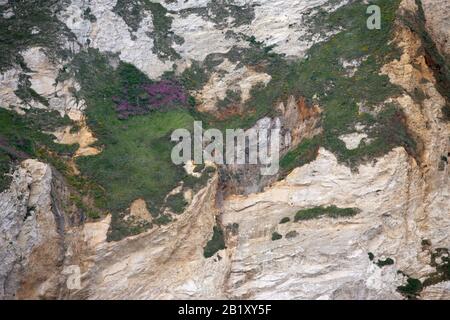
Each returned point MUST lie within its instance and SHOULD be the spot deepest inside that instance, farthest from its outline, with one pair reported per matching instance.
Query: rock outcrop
(35, 227)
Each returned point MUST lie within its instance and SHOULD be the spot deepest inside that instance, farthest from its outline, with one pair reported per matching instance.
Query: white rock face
(277, 23)
(43, 81)
(281, 23)
(437, 22)
(352, 140)
(9, 82)
(329, 257)
(28, 228)
(109, 33)
(229, 77)
(43, 77)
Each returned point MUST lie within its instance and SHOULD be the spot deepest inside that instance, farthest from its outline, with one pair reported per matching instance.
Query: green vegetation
(47, 120)
(195, 77)
(285, 220)
(322, 76)
(412, 288)
(135, 161)
(26, 93)
(304, 153)
(176, 203)
(132, 12)
(371, 256)
(440, 260)
(232, 98)
(215, 244)
(21, 138)
(124, 229)
(276, 236)
(34, 24)
(163, 220)
(319, 212)
(219, 12)
(386, 262)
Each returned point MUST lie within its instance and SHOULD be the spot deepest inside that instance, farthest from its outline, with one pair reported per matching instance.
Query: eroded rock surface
(401, 199)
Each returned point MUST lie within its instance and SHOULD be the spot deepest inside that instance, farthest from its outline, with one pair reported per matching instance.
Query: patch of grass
(216, 243)
(176, 203)
(135, 161)
(276, 236)
(386, 262)
(304, 153)
(285, 220)
(319, 212)
(163, 220)
(5, 167)
(47, 120)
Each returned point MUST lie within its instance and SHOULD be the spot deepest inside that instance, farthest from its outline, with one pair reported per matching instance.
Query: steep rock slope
(327, 230)
(401, 222)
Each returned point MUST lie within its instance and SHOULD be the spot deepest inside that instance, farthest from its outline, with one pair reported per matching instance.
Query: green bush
(215, 244)
(285, 220)
(412, 288)
(177, 203)
(276, 236)
(319, 212)
(386, 262)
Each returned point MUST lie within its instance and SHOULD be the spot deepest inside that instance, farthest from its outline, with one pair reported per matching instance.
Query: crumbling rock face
(33, 228)
(163, 263)
(43, 75)
(436, 15)
(297, 121)
(402, 202)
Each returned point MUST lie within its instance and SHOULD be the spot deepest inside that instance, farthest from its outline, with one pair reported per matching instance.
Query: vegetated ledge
(319, 212)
